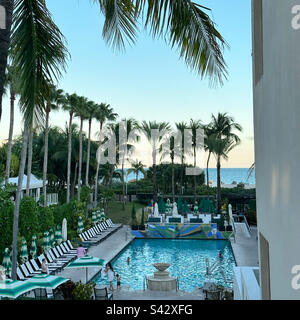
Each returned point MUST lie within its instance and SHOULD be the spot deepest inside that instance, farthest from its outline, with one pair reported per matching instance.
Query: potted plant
(142, 225)
(221, 223)
(134, 225)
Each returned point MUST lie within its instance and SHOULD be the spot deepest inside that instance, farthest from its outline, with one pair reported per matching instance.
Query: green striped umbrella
(24, 251)
(6, 263)
(33, 248)
(80, 227)
(98, 214)
(14, 288)
(102, 215)
(51, 238)
(94, 218)
(86, 262)
(46, 242)
(58, 236)
(47, 281)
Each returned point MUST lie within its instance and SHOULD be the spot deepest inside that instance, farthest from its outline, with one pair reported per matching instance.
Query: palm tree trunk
(29, 161)
(218, 186)
(96, 184)
(75, 179)
(10, 136)
(181, 176)
(4, 44)
(195, 181)
(45, 164)
(173, 182)
(88, 154)
(123, 186)
(207, 175)
(69, 157)
(80, 160)
(17, 204)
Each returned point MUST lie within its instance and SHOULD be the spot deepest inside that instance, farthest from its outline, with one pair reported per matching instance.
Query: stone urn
(161, 281)
(161, 266)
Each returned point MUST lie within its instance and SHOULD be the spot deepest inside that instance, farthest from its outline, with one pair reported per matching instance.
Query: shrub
(6, 225)
(83, 291)
(143, 217)
(28, 220)
(45, 218)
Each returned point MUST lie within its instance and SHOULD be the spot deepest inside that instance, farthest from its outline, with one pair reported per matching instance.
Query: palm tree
(104, 113)
(181, 127)
(29, 159)
(70, 105)
(222, 146)
(81, 112)
(183, 23)
(136, 168)
(39, 55)
(195, 125)
(154, 132)
(13, 82)
(91, 112)
(221, 126)
(124, 148)
(209, 139)
(55, 99)
(5, 35)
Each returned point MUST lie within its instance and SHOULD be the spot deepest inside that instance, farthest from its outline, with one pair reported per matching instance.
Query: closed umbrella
(6, 263)
(51, 238)
(94, 218)
(14, 288)
(24, 251)
(46, 242)
(64, 230)
(86, 262)
(46, 281)
(80, 227)
(102, 215)
(98, 215)
(58, 237)
(33, 248)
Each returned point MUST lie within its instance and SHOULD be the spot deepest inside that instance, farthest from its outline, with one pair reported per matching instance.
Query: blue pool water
(187, 259)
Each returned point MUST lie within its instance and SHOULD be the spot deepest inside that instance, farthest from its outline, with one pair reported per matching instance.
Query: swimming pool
(187, 259)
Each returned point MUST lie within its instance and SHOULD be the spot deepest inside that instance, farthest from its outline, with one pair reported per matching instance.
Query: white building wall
(277, 145)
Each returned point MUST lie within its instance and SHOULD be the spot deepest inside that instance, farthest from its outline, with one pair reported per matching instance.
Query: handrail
(177, 284)
(246, 222)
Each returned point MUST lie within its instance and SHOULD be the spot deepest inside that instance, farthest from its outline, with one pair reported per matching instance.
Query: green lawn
(116, 213)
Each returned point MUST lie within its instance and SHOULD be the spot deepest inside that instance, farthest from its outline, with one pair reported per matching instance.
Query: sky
(149, 81)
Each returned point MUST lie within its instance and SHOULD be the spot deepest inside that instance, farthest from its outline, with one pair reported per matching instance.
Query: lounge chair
(27, 273)
(102, 294)
(52, 267)
(96, 235)
(114, 225)
(20, 275)
(85, 237)
(69, 250)
(31, 270)
(64, 253)
(52, 258)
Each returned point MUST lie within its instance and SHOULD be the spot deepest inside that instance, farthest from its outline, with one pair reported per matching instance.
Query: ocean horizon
(228, 175)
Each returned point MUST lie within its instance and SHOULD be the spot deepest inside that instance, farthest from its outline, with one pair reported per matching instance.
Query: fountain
(161, 281)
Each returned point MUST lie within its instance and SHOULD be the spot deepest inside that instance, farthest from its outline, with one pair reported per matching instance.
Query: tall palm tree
(136, 168)
(12, 82)
(39, 55)
(5, 35)
(81, 112)
(29, 159)
(104, 113)
(209, 139)
(70, 105)
(222, 146)
(221, 126)
(124, 148)
(195, 125)
(154, 132)
(91, 112)
(181, 127)
(54, 100)
(183, 23)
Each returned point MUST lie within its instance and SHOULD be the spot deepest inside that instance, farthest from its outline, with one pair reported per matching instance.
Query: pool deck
(245, 251)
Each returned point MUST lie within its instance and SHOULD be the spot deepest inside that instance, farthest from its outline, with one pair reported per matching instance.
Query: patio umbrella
(46, 242)
(80, 227)
(94, 218)
(64, 230)
(58, 237)
(24, 251)
(33, 247)
(6, 263)
(46, 281)
(98, 215)
(86, 262)
(51, 238)
(14, 288)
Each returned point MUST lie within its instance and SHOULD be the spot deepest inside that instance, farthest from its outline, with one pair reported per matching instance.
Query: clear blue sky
(148, 81)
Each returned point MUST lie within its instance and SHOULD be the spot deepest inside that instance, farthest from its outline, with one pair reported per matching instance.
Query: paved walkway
(245, 249)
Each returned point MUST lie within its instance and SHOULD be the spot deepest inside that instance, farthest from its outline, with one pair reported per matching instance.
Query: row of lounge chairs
(58, 257)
